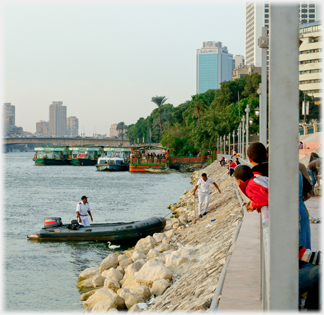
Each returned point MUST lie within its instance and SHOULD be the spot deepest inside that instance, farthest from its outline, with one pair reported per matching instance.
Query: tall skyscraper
(57, 119)
(257, 15)
(214, 65)
(72, 126)
(9, 118)
(239, 61)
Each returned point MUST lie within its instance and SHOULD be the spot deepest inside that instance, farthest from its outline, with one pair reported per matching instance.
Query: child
(255, 188)
(257, 154)
(231, 167)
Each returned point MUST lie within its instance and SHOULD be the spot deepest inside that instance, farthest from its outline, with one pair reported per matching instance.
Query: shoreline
(177, 269)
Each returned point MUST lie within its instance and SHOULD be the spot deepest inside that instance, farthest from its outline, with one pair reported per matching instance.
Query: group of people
(254, 183)
(231, 164)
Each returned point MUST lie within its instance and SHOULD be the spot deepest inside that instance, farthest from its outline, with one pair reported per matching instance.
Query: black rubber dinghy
(116, 232)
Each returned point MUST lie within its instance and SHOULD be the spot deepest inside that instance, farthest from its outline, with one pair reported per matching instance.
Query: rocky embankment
(177, 270)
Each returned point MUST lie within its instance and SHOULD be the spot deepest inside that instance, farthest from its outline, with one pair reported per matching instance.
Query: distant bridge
(65, 141)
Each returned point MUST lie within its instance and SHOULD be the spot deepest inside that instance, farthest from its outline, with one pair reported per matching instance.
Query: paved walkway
(241, 290)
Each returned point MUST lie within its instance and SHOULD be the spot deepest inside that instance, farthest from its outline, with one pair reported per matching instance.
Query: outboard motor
(52, 222)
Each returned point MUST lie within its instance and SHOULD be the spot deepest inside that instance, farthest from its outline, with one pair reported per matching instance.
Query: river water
(42, 276)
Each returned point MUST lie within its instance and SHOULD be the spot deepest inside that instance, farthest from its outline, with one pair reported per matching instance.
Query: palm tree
(199, 105)
(121, 126)
(159, 101)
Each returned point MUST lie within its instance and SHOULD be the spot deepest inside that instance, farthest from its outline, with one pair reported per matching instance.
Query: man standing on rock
(204, 182)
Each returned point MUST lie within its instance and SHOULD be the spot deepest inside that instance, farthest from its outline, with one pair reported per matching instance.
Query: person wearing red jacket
(231, 167)
(255, 188)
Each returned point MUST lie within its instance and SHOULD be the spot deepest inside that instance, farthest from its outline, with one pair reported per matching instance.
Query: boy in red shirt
(231, 167)
(255, 188)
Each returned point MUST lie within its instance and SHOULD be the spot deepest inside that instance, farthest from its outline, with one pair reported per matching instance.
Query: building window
(311, 21)
(304, 10)
(304, 21)
(311, 11)
(267, 5)
(266, 21)
(312, 5)
(266, 10)
(304, 16)
(312, 16)
(266, 16)
(304, 5)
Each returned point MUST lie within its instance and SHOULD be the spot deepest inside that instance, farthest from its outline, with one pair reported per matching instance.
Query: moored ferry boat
(114, 159)
(83, 156)
(50, 155)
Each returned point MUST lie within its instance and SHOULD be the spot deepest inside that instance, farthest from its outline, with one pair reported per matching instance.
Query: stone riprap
(176, 270)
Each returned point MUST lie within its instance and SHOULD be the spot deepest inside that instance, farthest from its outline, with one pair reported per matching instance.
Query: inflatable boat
(54, 230)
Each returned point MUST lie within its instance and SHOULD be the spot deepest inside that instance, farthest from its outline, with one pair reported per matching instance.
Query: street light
(247, 110)
(239, 138)
(233, 140)
(229, 143)
(224, 144)
(243, 129)
(250, 121)
(257, 111)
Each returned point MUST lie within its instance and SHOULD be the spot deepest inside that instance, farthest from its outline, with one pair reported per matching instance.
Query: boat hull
(116, 232)
(111, 168)
(50, 162)
(145, 167)
(83, 162)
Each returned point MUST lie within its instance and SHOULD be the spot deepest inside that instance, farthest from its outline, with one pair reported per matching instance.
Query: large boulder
(151, 271)
(153, 253)
(104, 305)
(142, 291)
(121, 269)
(131, 299)
(134, 308)
(122, 292)
(147, 239)
(122, 257)
(102, 294)
(85, 284)
(144, 248)
(166, 240)
(134, 267)
(158, 237)
(138, 255)
(85, 296)
(111, 261)
(159, 286)
(169, 233)
(113, 273)
(164, 247)
(128, 253)
(111, 284)
(125, 262)
(130, 282)
(89, 273)
(98, 281)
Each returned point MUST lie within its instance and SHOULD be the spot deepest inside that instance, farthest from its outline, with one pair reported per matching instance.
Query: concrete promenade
(241, 290)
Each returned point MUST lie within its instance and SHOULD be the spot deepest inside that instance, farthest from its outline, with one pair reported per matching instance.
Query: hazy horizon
(105, 61)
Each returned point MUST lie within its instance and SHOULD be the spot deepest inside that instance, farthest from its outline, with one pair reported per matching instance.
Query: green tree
(159, 101)
(121, 127)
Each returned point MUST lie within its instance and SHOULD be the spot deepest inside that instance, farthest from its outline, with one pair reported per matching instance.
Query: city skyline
(107, 69)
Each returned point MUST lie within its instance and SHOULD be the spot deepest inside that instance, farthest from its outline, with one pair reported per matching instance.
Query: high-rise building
(113, 132)
(42, 128)
(72, 124)
(57, 119)
(239, 61)
(9, 118)
(257, 15)
(214, 65)
(310, 60)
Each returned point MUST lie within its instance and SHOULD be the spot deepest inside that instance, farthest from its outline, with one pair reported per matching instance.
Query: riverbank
(174, 270)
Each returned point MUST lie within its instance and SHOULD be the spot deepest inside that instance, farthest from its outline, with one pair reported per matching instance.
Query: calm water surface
(41, 276)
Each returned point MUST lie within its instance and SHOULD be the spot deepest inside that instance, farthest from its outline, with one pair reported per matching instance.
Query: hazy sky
(105, 60)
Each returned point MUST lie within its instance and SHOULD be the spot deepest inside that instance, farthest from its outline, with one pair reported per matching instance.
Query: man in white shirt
(204, 182)
(82, 211)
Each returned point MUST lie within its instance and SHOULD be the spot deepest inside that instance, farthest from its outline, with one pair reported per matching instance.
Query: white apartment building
(72, 126)
(257, 15)
(310, 60)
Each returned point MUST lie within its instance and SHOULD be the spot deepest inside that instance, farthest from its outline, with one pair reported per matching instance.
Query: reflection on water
(41, 276)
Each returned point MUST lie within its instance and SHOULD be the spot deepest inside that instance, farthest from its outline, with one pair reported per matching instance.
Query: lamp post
(216, 146)
(239, 138)
(243, 129)
(247, 110)
(224, 144)
(229, 143)
(233, 140)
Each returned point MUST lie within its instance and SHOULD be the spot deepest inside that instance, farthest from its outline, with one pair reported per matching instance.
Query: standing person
(204, 182)
(301, 145)
(313, 169)
(82, 211)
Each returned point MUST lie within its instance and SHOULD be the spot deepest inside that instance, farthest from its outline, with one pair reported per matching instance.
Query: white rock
(85, 284)
(166, 240)
(113, 274)
(144, 248)
(122, 257)
(128, 253)
(130, 282)
(121, 269)
(164, 247)
(113, 310)
(147, 239)
(89, 272)
(125, 262)
(151, 271)
(122, 292)
(131, 299)
(159, 286)
(169, 233)
(134, 308)
(100, 295)
(142, 291)
(104, 305)
(160, 259)
(111, 261)
(152, 254)
(111, 284)
(137, 255)
(98, 281)
(134, 267)
(158, 237)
